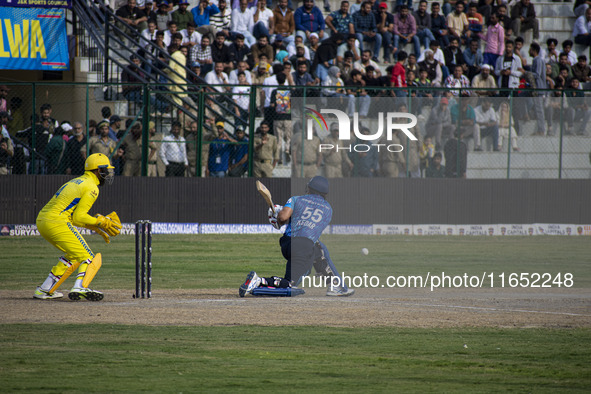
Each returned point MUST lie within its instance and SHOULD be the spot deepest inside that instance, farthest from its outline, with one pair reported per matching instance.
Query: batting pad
(277, 292)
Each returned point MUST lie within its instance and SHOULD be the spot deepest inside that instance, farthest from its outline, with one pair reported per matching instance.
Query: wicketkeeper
(68, 208)
(306, 217)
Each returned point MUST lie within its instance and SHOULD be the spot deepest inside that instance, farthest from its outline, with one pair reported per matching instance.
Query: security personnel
(266, 152)
(68, 208)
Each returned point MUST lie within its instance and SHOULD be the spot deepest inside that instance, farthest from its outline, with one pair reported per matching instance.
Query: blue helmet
(318, 184)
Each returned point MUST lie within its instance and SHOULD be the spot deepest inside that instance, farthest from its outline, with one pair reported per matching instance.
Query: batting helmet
(318, 184)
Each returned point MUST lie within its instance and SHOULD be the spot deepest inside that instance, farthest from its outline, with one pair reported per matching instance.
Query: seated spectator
(486, 119)
(264, 23)
(439, 25)
(134, 20)
(309, 19)
(505, 21)
(475, 22)
(523, 17)
(148, 9)
(432, 68)
(148, 35)
(218, 77)
(346, 66)
(181, 16)
(350, 45)
(457, 22)
(241, 67)
(202, 55)
(577, 110)
(162, 16)
(313, 44)
(464, 112)
(423, 21)
(366, 28)
(562, 81)
(365, 61)
(385, 24)
(567, 47)
(435, 168)
(508, 68)
(340, 21)
(172, 30)
(454, 56)
(239, 51)
(473, 58)
(191, 37)
(262, 47)
(562, 62)
(411, 64)
(302, 77)
(581, 70)
(551, 52)
(243, 22)
(133, 74)
(582, 29)
(201, 16)
(503, 120)
(333, 84)
(326, 55)
(484, 80)
(298, 42)
(159, 45)
(355, 7)
(222, 21)
(423, 81)
(495, 41)
(284, 22)
(456, 81)
(405, 30)
(357, 85)
(220, 52)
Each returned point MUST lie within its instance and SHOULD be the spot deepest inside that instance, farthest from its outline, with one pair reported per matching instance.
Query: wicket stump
(143, 259)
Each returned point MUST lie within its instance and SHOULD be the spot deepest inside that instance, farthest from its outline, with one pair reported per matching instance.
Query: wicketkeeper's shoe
(252, 282)
(340, 292)
(45, 295)
(79, 293)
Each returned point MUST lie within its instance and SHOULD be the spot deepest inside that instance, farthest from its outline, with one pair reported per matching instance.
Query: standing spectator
(3, 98)
(463, 115)
(486, 119)
(114, 127)
(504, 120)
(580, 7)
(495, 41)
(181, 16)
(456, 157)
(457, 22)
(306, 156)
(264, 24)
(177, 74)
(134, 20)
(192, 139)
(439, 123)
(508, 68)
(581, 70)
(423, 21)
(281, 105)
(582, 29)
(284, 22)
(385, 21)
(366, 28)
(155, 165)
(308, 19)
(243, 22)
(266, 152)
(365, 164)
(340, 21)
(132, 146)
(398, 77)
(484, 80)
(538, 71)
(202, 55)
(335, 159)
(405, 30)
(76, 151)
(101, 143)
(578, 109)
(163, 18)
(55, 150)
(439, 25)
(358, 84)
(435, 169)
(523, 16)
(457, 81)
(219, 153)
(173, 152)
(473, 58)
(241, 97)
(133, 74)
(201, 17)
(222, 21)
(239, 156)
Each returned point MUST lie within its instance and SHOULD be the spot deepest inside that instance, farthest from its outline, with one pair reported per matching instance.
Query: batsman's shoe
(79, 293)
(340, 292)
(252, 282)
(45, 295)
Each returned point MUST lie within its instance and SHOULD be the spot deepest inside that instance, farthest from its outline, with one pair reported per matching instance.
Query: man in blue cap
(306, 217)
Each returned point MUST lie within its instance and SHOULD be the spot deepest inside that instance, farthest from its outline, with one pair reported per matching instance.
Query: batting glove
(275, 210)
(274, 222)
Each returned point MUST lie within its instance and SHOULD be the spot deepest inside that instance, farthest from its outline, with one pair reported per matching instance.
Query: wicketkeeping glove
(109, 226)
(100, 232)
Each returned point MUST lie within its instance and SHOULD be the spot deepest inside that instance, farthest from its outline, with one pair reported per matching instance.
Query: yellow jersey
(72, 202)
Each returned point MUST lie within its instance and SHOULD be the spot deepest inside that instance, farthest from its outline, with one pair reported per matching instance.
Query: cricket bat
(266, 194)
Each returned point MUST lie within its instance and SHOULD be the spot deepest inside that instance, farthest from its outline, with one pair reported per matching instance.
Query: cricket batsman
(68, 208)
(306, 217)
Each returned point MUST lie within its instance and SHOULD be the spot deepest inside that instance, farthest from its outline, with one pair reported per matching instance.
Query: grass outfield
(110, 358)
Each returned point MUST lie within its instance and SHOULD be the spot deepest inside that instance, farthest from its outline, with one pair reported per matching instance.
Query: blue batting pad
(277, 292)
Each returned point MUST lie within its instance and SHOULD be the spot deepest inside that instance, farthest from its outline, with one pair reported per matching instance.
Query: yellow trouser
(64, 236)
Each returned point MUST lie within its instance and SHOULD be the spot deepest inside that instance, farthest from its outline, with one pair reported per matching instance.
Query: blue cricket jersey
(311, 214)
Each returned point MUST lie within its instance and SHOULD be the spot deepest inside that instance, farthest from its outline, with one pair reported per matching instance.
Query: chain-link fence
(295, 131)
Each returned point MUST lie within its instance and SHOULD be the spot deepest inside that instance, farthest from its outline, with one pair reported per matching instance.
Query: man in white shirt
(243, 22)
(191, 37)
(486, 119)
(173, 152)
(149, 35)
(218, 77)
(263, 20)
(366, 61)
(242, 67)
